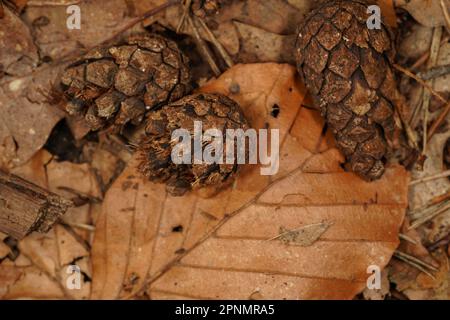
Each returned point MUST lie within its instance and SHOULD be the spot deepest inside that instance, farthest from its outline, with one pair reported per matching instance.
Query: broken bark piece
(26, 207)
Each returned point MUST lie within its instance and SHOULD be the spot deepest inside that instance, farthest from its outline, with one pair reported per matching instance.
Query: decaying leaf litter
(257, 244)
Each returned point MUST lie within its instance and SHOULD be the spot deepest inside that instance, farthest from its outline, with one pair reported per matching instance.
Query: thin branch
(434, 51)
(438, 121)
(423, 83)
(416, 260)
(77, 225)
(407, 259)
(226, 57)
(410, 133)
(443, 174)
(203, 47)
(424, 211)
(186, 9)
(446, 14)
(407, 238)
(143, 17)
(428, 217)
(435, 72)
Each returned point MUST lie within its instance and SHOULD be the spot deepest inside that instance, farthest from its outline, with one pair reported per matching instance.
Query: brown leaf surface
(39, 272)
(25, 82)
(191, 247)
(26, 119)
(99, 21)
(258, 45)
(18, 54)
(259, 31)
(428, 13)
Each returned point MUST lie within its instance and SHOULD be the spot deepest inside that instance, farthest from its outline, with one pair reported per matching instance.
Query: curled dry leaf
(192, 247)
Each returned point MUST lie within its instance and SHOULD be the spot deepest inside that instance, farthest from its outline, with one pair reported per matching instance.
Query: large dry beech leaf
(309, 232)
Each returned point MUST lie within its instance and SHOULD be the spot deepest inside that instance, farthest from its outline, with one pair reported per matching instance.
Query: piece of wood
(26, 207)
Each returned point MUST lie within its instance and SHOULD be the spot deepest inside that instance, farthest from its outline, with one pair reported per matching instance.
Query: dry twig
(407, 238)
(77, 225)
(434, 72)
(226, 57)
(434, 51)
(186, 9)
(423, 83)
(430, 178)
(446, 14)
(429, 216)
(206, 53)
(415, 262)
(438, 121)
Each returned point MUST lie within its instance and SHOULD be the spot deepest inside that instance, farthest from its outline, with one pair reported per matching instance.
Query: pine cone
(215, 112)
(112, 86)
(347, 69)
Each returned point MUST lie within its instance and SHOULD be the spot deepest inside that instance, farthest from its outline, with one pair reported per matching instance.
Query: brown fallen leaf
(27, 115)
(419, 286)
(25, 121)
(99, 21)
(259, 31)
(177, 247)
(416, 43)
(422, 193)
(258, 45)
(27, 282)
(49, 255)
(428, 13)
(402, 274)
(18, 54)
